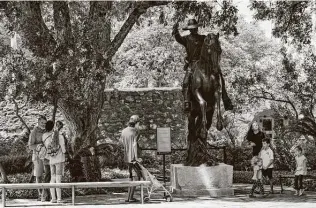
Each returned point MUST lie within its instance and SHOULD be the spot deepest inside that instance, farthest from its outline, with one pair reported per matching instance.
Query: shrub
(246, 177)
(16, 164)
(112, 155)
(239, 157)
(5, 145)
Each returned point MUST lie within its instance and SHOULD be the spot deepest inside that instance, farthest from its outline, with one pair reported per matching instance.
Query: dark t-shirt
(257, 139)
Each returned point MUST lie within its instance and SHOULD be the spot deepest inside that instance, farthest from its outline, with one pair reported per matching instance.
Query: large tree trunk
(83, 123)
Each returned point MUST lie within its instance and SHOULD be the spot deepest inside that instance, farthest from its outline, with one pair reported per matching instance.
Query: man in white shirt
(267, 156)
(129, 138)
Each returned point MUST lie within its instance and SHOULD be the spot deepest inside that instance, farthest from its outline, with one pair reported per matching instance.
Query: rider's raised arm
(178, 37)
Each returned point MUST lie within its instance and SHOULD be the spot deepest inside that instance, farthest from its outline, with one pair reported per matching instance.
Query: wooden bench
(4, 187)
(312, 177)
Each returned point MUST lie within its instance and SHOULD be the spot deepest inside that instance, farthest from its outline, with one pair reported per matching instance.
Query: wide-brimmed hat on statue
(192, 24)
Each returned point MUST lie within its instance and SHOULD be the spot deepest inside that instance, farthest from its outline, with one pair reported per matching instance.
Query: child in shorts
(301, 170)
(256, 163)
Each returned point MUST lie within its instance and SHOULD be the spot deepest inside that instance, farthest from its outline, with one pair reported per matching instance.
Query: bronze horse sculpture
(205, 92)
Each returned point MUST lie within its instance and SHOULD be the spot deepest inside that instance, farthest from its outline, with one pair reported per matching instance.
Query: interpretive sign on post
(164, 147)
(163, 141)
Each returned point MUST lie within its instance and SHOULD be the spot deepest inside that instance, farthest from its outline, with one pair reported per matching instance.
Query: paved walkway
(240, 200)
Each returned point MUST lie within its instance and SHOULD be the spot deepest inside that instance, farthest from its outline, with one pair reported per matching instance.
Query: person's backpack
(41, 149)
(54, 146)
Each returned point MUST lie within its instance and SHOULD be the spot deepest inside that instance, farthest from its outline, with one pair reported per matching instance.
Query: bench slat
(112, 184)
(77, 185)
(293, 176)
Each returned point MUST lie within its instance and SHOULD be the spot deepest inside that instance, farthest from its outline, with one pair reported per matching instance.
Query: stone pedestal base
(214, 181)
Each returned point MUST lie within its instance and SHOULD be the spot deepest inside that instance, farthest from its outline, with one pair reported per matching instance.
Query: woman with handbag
(56, 149)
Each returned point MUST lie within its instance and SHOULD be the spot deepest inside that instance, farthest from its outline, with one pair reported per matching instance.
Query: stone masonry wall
(157, 107)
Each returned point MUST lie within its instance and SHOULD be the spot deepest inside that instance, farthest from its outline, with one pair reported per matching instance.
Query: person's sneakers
(53, 201)
(301, 192)
(132, 200)
(60, 201)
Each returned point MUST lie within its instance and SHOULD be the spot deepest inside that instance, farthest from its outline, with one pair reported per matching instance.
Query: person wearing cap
(41, 165)
(129, 138)
(193, 44)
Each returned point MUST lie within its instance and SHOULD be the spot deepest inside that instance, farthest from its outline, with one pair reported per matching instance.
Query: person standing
(129, 138)
(256, 163)
(255, 136)
(301, 141)
(301, 170)
(267, 156)
(56, 149)
(40, 165)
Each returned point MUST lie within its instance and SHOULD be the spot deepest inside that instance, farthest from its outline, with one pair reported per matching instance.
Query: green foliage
(148, 59)
(5, 143)
(292, 19)
(214, 13)
(249, 63)
(239, 157)
(16, 164)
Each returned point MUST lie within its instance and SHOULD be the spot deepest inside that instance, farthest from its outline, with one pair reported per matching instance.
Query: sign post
(164, 147)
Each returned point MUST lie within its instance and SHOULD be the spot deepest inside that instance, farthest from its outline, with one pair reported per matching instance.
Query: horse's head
(211, 50)
(211, 43)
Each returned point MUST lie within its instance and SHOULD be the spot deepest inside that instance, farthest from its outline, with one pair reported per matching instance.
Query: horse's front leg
(219, 124)
(203, 106)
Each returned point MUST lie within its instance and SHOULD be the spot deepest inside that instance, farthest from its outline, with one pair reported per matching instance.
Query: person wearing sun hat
(193, 44)
(129, 138)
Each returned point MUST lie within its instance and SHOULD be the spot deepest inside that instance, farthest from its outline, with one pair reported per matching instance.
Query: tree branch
(62, 25)
(140, 8)
(17, 109)
(37, 35)
(311, 107)
(55, 106)
(272, 98)
(291, 15)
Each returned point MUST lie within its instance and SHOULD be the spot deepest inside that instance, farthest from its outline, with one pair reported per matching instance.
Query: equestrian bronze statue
(193, 44)
(203, 88)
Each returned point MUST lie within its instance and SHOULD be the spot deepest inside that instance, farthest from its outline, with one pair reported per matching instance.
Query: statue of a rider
(193, 44)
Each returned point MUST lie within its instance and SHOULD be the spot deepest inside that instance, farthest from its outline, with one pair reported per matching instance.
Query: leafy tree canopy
(292, 19)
